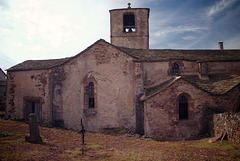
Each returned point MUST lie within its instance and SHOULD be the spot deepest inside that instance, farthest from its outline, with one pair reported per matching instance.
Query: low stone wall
(229, 123)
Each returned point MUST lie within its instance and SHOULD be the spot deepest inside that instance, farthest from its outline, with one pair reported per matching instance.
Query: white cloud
(3, 4)
(188, 37)
(219, 7)
(179, 29)
(45, 29)
(6, 61)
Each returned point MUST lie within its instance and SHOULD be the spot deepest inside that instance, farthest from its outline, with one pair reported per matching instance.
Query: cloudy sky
(50, 29)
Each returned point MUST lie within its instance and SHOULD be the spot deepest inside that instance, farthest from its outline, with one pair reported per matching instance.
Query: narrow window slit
(183, 108)
(91, 95)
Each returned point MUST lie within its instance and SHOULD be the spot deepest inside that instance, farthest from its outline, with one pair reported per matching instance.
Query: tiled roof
(191, 55)
(218, 84)
(141, 55)
(154, 90)
(38, 64)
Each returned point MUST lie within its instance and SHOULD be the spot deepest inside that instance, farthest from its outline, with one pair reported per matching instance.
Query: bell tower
(130, 27)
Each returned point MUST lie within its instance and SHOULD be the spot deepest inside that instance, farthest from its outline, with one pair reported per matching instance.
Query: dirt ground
(61, 144)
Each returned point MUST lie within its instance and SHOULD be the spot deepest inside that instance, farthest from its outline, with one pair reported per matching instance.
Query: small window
(129, 23)
(183, 108)
(91, 95)
(175, 69)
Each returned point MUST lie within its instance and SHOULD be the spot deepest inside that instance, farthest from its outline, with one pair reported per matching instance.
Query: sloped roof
(218, 84)
(38, 64)
(50, 63)
(156, 89)
(141, 55)
(191, 55)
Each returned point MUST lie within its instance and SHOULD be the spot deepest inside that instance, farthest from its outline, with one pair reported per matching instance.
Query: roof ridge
(219, 84)
(161, 87)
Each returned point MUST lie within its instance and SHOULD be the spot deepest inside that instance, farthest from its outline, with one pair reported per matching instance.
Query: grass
(224, 145)
(75, 152)
(18, 156)
(235, 152)
(132, 156)
(14, 141)
(123, 131)
(94, 146)
(45, 141)
(66, 145)
(186, 154)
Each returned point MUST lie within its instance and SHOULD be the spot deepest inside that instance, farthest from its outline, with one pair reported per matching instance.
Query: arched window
(175, 69)
(183, 107)
(129, 23)
(91, 95)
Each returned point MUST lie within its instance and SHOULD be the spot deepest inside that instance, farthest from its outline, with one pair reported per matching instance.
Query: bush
(3, 134)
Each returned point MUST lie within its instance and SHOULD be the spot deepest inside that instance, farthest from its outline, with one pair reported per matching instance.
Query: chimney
(220, 45)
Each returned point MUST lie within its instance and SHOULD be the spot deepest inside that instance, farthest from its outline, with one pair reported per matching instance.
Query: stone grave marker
(34, 135)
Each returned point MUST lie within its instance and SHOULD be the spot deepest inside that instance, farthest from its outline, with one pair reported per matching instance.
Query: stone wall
(161, 115)
(112, 72)
(229, 123)
(138, 93)
(138, 39)
(161, 119)
(24, 86)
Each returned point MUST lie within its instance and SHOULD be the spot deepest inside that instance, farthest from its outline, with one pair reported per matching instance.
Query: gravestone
(34, 136)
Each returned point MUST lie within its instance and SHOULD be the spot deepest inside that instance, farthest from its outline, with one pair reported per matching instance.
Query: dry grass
(60, 144)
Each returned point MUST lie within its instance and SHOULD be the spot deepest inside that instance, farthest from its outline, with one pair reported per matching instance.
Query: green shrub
(3, 134)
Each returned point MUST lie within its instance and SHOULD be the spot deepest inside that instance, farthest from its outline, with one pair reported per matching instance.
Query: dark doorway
(33, 107)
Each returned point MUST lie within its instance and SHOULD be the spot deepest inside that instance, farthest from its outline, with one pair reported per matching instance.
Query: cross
(82, 131)
(129, 5)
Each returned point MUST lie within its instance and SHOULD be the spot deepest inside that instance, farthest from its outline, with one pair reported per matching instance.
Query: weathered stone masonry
(58, 76)
(141, 89)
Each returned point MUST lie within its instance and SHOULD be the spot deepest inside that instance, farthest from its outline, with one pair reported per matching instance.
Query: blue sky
(50, 29)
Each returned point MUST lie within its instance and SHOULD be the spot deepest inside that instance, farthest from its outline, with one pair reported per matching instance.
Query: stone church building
(163, 94)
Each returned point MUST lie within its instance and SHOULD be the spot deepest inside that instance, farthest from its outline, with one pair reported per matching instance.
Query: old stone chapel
(163, 94)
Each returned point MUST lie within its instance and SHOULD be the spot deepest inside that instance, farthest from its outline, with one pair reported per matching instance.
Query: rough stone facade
(26, 86)
(3, 90)
(112, 72)
(161, 112)
(164, 94)
(139, 37)
(229, 123)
